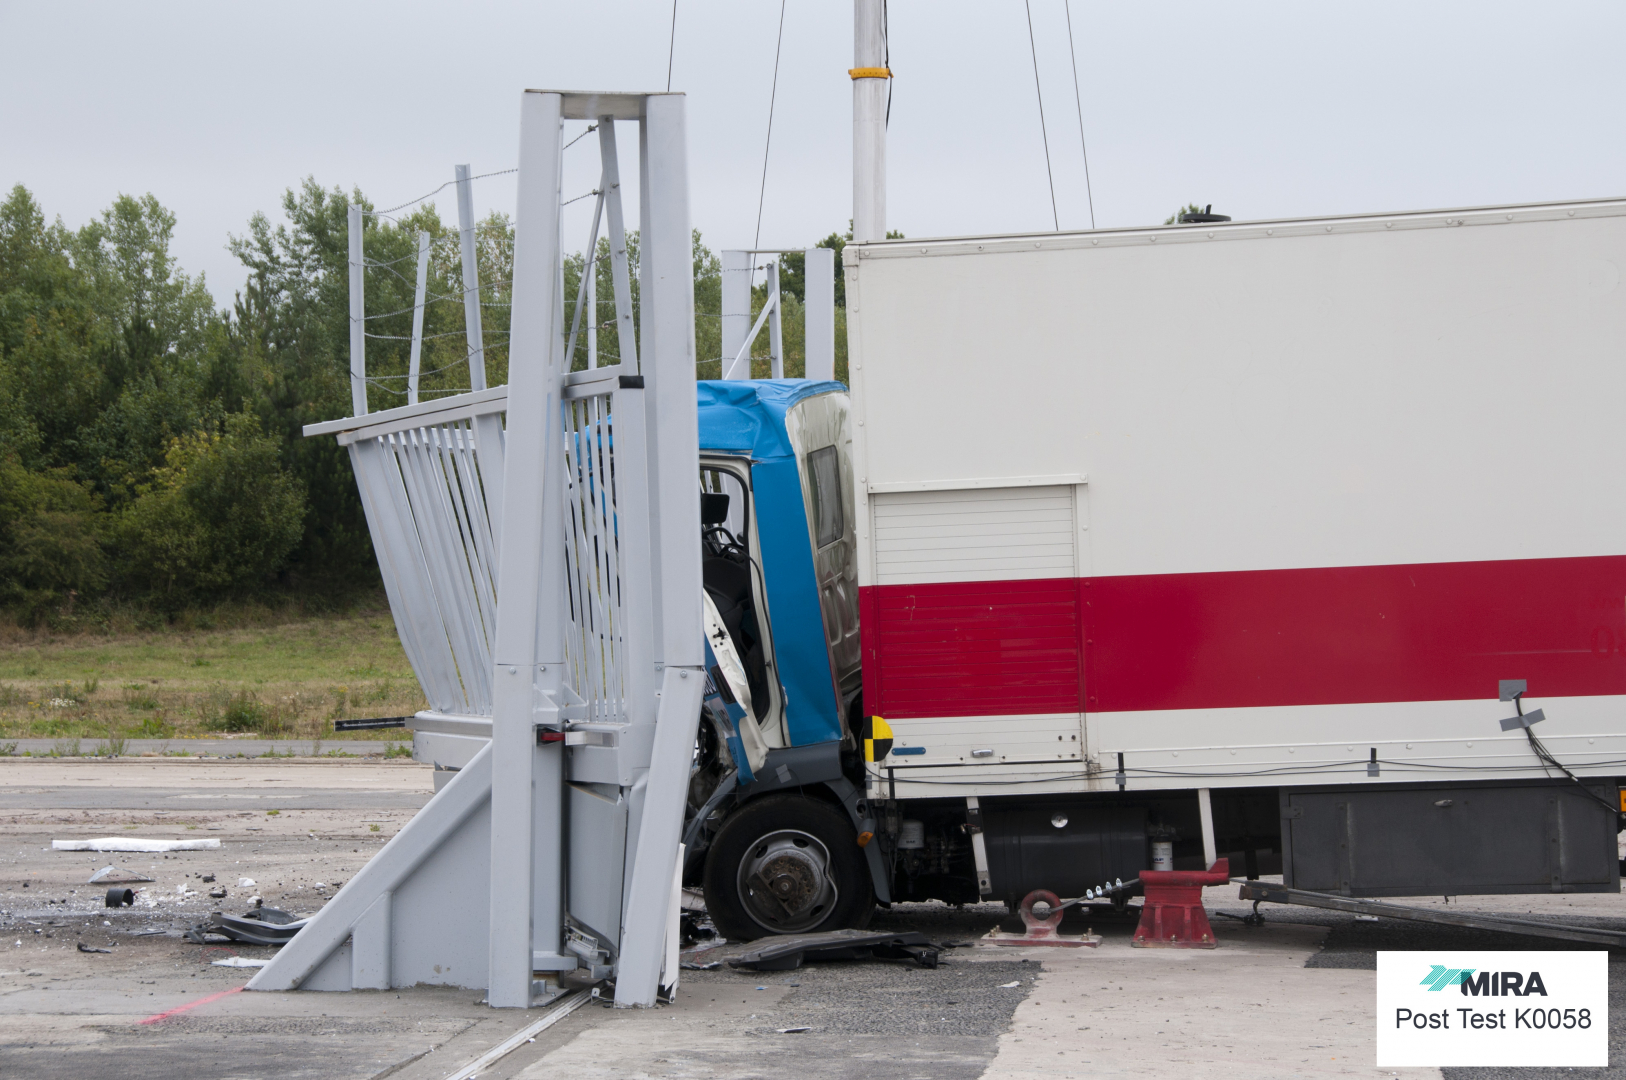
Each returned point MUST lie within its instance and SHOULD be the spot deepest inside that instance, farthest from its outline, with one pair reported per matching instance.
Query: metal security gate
(539, 544)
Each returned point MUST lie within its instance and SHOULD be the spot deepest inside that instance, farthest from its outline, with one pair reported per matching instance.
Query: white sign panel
(1493, 1008)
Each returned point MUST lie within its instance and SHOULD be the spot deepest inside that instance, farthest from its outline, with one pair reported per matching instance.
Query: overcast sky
(1261, 109)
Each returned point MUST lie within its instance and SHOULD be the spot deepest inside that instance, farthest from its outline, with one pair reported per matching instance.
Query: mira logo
(1487, 1007)
(1486, 983)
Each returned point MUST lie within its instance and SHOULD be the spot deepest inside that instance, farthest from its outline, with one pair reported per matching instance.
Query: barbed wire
(430, 337)
(432, 194)
(427, 300)
(460, 362)
(457, 296)
(376, 262)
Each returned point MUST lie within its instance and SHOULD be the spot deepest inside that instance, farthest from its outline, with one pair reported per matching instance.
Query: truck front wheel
(787, 865)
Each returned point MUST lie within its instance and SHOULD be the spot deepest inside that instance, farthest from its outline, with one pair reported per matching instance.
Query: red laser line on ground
(167, 1013)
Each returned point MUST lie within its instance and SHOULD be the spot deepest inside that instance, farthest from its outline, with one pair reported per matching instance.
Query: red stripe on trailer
(1319, 636)
(977, 648)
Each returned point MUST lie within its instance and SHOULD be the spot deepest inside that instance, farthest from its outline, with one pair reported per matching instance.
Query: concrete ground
(1291, 998)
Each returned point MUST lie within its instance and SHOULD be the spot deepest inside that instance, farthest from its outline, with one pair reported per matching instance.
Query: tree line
(151, 454)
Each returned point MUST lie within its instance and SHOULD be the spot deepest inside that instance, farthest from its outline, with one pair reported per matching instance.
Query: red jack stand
(1172, 916)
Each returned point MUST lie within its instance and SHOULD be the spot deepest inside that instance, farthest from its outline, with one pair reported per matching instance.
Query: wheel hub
(786, 883)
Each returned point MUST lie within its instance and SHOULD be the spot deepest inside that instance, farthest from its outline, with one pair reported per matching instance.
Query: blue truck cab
(778, 825)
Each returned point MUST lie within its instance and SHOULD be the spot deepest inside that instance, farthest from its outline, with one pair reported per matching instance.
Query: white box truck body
(1254, 505)
(1230, 498)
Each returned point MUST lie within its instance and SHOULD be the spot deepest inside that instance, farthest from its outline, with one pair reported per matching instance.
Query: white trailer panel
(1330, 481)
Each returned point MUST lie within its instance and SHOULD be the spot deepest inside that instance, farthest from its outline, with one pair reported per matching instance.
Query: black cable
(772, 96)
(1546, 758)
(671, 48)
(1055, 217)
(1078, 99)
(886, 61)
(421, 198)
(1286, 770)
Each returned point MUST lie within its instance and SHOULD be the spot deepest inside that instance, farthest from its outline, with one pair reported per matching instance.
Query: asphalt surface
(202, 785)
(176, 799)
(1291, 998)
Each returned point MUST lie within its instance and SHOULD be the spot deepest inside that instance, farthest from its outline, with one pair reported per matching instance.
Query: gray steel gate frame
(544, 572)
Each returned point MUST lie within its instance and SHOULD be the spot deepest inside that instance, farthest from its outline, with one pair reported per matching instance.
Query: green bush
(220, 517)
(51, 539)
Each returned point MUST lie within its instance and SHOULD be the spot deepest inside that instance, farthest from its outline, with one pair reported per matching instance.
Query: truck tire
(785, 864)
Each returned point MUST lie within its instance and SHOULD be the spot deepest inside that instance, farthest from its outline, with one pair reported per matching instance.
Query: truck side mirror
(713, 508)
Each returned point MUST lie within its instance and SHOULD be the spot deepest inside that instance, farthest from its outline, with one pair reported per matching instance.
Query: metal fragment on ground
(116, 875)
(262, 926)
(788, 953)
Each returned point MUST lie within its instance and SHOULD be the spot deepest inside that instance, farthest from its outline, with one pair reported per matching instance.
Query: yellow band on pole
(870, 73)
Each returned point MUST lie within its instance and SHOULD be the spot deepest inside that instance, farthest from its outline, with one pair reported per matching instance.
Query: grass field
(279, 679)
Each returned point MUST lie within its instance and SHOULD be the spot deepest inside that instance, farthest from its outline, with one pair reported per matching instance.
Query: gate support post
(526, 779)
(668, 369)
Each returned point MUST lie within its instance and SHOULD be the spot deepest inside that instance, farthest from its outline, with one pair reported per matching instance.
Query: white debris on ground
(134, 843)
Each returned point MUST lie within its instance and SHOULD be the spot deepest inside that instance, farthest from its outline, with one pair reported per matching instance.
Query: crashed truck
(1295, 542)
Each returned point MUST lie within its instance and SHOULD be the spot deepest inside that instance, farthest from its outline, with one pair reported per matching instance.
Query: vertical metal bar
(581, 291)
(648, 286)
(526, 777)
(481, 526)
(465, 558)
(736, 311)
(575, 579)
(358, 316)
(626, 338)
(635, 567)
(471, 280)
(417, 318)
(488, 429)
(869, 121)
(819, 300)
(668, 312)
(979, 846)
(592, 294)
(1205, 809)
(776, 333)
(610, 514)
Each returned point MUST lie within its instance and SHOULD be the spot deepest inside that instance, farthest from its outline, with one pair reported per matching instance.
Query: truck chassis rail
(1261, 892)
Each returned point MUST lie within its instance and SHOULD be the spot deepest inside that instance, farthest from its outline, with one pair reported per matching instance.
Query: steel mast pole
(869, 74)
(358, 314)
